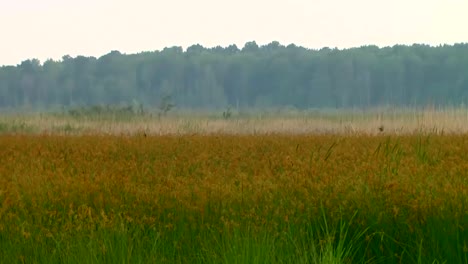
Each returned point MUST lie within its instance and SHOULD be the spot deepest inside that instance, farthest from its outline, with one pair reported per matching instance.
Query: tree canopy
(254, 76)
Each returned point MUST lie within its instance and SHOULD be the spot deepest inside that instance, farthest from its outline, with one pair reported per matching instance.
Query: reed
(370, 122)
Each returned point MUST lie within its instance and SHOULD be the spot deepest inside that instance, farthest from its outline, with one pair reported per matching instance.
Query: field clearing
(234, 198)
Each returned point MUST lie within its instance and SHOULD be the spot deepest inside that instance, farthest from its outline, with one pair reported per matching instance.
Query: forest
(252, 77)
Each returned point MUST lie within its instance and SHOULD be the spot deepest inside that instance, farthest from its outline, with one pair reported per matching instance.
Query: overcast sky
(52, 28)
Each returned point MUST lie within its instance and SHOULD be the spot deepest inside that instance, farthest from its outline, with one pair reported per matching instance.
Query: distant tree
(250, 47)
(270, 75)
(165, 105)
(195, 49)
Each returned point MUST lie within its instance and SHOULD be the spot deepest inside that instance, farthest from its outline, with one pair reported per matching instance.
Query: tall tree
(270, 75)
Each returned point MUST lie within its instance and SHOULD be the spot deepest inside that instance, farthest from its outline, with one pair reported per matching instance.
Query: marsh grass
(369, 122)
(321, 244)
(234, 199)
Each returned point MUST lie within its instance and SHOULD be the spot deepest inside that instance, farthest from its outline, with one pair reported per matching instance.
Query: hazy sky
(52, 28)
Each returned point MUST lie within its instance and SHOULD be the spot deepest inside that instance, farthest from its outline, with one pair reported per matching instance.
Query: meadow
(127, 191)
(125, 121)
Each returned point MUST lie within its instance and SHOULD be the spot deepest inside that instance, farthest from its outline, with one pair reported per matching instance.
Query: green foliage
(227, 114)
(15, 127)
(165, 105)
(108, 111)
(255, 76)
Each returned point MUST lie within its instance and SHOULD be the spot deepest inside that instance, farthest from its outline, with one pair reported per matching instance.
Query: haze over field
(52, 28)
(242, 131)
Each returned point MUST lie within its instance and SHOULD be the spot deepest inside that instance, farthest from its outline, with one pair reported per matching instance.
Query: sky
(50, 29)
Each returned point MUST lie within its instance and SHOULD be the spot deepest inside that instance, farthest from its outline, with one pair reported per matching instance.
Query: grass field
(233, 198)
(392, 121)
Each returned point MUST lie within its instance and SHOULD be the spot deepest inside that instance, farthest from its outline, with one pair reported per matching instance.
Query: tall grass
(118, 121)
(234, 199)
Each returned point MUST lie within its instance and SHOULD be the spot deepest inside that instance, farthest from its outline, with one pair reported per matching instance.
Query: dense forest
(254, 76)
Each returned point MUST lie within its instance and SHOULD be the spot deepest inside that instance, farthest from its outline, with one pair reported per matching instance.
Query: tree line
(253, 76)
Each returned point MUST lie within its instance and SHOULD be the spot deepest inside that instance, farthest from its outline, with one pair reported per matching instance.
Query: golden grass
(192, 188)
(448, 121)
(54, 179)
